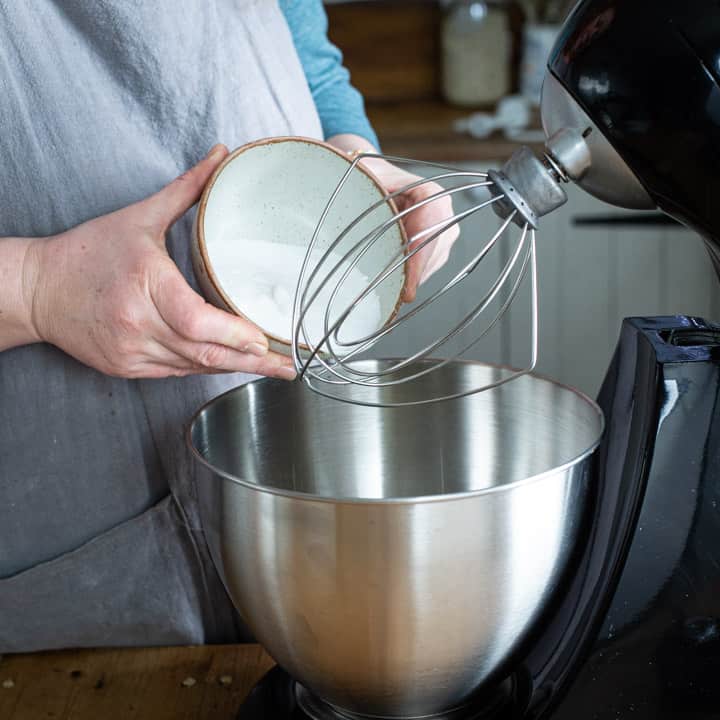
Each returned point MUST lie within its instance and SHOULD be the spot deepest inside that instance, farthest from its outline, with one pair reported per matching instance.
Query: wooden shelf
(423, 130)
(393, 53)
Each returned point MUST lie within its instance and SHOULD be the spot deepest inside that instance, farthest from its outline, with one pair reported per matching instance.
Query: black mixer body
(647, 72)
(637, 632)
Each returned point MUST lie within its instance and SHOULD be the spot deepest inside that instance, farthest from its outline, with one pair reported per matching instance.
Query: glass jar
(477, 50)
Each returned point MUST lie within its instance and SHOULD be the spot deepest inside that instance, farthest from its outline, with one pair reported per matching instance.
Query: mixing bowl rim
(410, 499)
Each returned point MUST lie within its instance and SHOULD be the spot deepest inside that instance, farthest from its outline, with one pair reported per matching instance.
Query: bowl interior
(259, 219)
(284, 436)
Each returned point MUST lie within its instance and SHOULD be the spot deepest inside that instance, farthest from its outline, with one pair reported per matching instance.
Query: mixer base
(278, 697)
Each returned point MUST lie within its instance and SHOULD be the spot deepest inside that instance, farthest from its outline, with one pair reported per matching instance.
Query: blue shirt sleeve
(340, 106)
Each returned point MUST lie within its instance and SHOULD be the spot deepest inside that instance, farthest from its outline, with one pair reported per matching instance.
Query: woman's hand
(435, 254)
(108, 293)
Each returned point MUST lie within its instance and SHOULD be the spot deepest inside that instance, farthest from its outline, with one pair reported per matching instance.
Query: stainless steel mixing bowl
(392, 559)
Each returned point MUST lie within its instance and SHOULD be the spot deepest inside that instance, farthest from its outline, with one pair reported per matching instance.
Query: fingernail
(214, 151)
(287, 373)
(256, 348)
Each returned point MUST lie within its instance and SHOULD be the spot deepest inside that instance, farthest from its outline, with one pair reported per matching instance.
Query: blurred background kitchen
(458, 82)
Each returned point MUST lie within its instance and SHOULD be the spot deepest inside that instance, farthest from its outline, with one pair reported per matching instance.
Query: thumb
(174, 200)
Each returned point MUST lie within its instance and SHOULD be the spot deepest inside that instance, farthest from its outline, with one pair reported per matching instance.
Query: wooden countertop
(131, 684)
(423, 130)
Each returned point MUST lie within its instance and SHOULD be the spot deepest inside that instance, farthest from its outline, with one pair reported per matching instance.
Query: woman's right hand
(108, 293)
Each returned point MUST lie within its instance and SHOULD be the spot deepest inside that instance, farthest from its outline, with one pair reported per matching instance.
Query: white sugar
(260, 277)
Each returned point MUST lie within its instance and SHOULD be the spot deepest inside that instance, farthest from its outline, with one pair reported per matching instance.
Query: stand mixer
(615, 113)
(622, 617)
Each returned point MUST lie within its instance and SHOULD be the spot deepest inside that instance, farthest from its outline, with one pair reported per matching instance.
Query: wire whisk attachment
(354, 269)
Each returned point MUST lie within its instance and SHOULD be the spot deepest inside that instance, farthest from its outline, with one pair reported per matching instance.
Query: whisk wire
(398, 260)
(377, 233)
(426, 303)
(359, 250)
(364, 343)
(357, 373)
(333, 361)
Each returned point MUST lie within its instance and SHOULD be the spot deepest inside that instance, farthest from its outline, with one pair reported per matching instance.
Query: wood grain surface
(130, 684)
(391, 49)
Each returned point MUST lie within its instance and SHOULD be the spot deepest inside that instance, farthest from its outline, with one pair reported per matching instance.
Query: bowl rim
(205, 197)
(404, 500)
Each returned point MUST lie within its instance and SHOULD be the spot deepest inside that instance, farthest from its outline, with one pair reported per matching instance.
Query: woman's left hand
(435, 254)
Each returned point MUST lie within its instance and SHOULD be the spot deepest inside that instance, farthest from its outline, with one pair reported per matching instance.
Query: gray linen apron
(103, 102)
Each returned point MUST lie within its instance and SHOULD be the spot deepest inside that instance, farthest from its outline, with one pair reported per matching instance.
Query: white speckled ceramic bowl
(276, 190)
